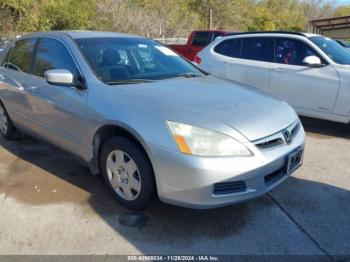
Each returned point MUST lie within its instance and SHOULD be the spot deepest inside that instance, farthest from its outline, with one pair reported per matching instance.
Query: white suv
(310, 72)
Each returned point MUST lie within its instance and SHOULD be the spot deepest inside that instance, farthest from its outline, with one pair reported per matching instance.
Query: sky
(342, 2)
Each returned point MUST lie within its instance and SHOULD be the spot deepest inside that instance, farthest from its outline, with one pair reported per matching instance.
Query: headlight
(203, 142)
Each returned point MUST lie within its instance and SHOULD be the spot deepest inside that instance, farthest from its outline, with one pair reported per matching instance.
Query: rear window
(230, 47)
(21, 56)
(201, 39)
(257, 48)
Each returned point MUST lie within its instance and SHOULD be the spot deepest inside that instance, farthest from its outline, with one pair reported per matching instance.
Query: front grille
(277, 139)
(270, 143)
(229, 187)
(295, 130)
(274, 177)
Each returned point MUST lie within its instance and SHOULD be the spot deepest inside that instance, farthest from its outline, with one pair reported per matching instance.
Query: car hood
(249, 111)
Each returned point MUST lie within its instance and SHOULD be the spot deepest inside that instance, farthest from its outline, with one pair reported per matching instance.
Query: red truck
(196, 42)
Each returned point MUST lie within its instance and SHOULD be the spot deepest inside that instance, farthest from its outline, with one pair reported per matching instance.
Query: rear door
(302, 86)
(16, 80)
(58, 111)
(220, 61)
(253, 65)
(246, 60)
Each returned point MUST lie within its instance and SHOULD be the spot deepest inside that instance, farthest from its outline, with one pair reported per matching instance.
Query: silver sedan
(150, 122)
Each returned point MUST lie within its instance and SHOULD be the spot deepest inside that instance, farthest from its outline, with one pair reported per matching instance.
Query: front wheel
(6, 126)
(127, 172)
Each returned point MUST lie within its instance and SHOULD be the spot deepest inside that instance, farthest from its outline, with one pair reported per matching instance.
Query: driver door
(303, 87)
(58, 111)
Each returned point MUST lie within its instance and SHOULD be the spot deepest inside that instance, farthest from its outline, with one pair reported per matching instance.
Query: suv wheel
(127, 172)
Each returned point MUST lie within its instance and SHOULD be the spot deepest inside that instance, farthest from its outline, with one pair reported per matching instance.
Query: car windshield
(133, 60)
(333, 49)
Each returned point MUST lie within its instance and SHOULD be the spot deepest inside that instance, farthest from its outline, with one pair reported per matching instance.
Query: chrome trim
(278, 138)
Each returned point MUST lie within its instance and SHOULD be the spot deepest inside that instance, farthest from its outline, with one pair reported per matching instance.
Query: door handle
(230, 62)
(277, 69)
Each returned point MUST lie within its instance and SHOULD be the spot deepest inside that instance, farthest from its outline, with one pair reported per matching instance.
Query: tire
(7, 128)
(127, 172)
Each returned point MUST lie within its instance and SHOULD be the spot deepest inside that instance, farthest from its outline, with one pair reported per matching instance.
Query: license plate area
(294, 160)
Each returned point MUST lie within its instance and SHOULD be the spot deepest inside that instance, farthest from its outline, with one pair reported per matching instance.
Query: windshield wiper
(188, 75)
(129, 81)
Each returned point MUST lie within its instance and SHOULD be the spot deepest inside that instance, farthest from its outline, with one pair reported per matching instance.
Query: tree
(227, 14)
(316, 9)
(172, 18)
(343, 10)
(62, 14)
(7, 22)
(12, 12)
(277, 15)
(160, 18)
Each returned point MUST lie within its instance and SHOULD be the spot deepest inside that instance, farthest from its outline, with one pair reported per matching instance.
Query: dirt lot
(50, 204)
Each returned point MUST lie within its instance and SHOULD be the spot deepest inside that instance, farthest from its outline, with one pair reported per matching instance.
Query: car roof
(80, 34)
(274, 32)
(209, 30)
(310, 34)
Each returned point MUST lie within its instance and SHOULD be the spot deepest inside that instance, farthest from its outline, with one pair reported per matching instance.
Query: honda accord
(151, 123)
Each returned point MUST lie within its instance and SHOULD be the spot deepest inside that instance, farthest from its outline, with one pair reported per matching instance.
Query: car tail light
(197, 60)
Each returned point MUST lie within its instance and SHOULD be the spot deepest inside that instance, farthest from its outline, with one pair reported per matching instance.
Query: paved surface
(50, 204)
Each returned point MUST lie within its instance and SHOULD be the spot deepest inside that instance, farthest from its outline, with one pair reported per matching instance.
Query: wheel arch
(2, 102)
(109, 130)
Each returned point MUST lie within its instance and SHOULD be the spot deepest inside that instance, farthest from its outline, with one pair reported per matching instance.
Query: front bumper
(193, 182)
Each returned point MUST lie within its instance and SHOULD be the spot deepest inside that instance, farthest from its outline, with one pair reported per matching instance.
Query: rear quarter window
(4, 57)
(229, 47)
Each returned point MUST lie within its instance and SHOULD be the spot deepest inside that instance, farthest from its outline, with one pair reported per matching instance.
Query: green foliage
(162, 18)
(36, 15)
(277, 15)
(342, 11)
(66, 14)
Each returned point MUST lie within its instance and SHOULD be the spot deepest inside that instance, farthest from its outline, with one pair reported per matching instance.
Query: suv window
(201, 39)
(21, 56)
(257, 48)
(292, 51)
(52, 54)
(229, 47)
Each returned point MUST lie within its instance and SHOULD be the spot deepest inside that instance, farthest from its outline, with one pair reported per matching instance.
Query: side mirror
(312, 61)
(60, 77)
